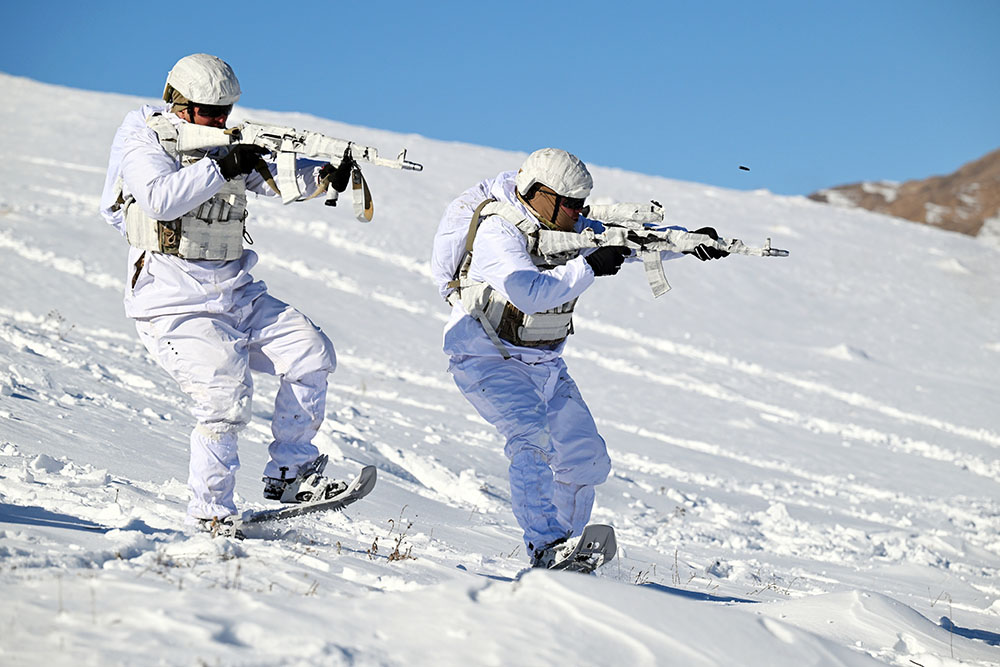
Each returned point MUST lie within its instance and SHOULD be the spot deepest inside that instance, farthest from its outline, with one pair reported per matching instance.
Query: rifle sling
(261, 168)
(364, 207)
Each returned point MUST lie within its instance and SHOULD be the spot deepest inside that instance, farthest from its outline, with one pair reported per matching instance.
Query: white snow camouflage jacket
(166, 191)
(500, 258)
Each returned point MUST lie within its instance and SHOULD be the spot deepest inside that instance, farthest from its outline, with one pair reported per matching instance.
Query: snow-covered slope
(805, 449)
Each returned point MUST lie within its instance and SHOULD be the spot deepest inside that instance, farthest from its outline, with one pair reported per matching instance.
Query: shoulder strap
(477, 217)
(514, 217)
(463, 265)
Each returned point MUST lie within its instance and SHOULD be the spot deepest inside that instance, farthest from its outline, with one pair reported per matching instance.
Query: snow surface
(805, 449)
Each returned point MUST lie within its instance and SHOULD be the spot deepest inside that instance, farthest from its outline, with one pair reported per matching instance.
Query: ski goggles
(213, 110)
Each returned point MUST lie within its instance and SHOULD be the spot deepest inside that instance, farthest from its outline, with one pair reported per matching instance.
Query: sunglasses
(570, 203)
(213, 110)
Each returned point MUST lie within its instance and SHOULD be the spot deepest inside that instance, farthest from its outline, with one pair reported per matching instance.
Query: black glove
(340, 175)
(606, 260)
(705, 252)
(240, 159)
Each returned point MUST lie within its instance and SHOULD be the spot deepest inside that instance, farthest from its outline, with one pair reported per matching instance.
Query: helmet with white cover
(202, 79)
(562, 172)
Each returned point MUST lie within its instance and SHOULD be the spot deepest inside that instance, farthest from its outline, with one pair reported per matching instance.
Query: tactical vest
(213, 230)
(502, 320)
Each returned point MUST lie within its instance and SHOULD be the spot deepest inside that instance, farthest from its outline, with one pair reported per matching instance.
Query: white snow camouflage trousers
(556, 455)
(210, 355)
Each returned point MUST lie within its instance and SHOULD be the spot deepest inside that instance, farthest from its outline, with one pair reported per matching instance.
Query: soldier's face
(558, 211)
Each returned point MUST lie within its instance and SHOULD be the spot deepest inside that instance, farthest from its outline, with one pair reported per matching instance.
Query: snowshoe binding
(309, 485)
(595, 547)
(333, 496)
(228, 526)
(553, 552)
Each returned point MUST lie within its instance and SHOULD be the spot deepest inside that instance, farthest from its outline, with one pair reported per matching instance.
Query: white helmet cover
(563, 172)
(203, 79)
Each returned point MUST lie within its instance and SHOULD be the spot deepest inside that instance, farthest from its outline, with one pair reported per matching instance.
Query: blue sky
(806, 94)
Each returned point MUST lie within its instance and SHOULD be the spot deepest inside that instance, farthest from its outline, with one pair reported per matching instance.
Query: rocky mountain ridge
(965, 201)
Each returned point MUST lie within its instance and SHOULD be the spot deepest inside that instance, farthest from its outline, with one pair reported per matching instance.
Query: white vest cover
(213, 230)
(543, 329)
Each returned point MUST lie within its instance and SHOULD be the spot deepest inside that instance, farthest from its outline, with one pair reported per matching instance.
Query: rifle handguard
(289, 144)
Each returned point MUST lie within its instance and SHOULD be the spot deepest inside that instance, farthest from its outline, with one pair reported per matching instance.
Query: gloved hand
(606, 260)
(240, 159)
(340, 175)
(706, 252)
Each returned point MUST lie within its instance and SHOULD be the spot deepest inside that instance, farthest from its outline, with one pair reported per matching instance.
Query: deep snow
(805, 449)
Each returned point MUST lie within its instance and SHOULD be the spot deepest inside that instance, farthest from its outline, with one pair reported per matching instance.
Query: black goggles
(213, 110)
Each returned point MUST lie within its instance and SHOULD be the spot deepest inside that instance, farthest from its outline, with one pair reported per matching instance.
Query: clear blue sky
(807, 94)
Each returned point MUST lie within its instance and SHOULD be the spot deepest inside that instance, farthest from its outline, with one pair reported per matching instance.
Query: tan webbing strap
(117, 206)
(474, 224)
(364, 207)
(265, 173)
(470, 238)
(321, 188)
(138, 268)
(324, 185)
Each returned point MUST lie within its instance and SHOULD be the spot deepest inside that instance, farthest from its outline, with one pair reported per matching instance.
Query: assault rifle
(289, 144)
(628, 225)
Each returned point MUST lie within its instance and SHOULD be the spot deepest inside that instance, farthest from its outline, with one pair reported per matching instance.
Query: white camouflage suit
(556, 455)
(208, 323)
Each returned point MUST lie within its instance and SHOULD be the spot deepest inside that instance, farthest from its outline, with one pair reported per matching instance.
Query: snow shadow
(493, 577)
(695, 595)
(991, 638)
(39, 516)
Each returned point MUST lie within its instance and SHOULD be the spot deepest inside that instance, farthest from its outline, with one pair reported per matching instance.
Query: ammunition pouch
(214, 230)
